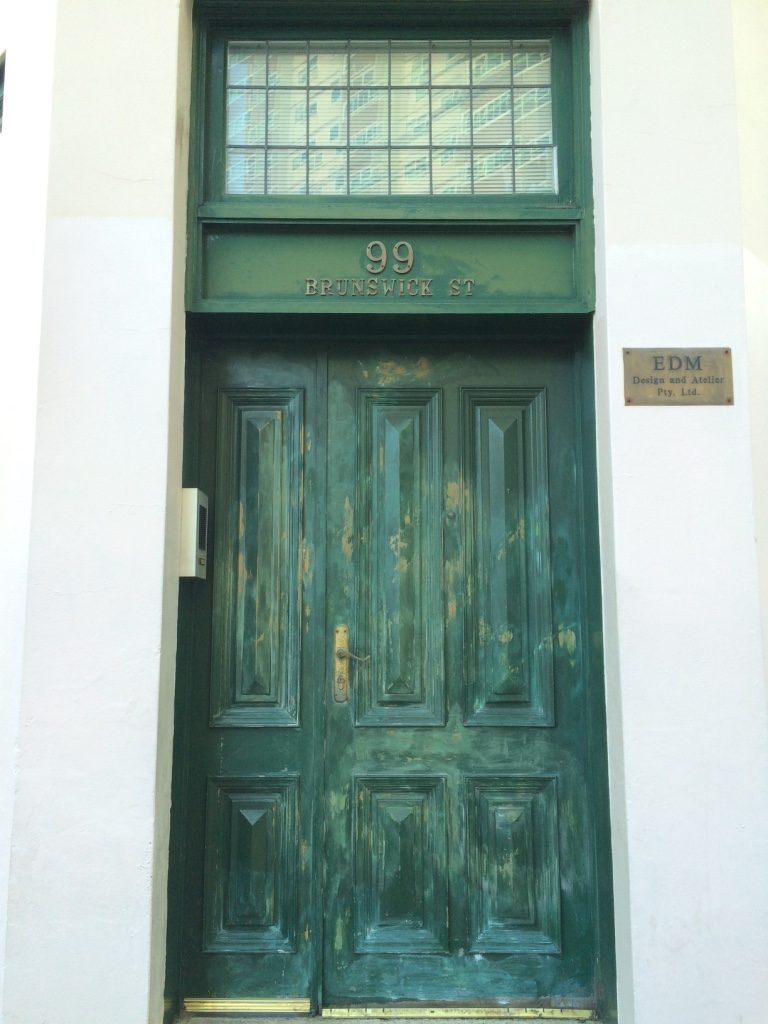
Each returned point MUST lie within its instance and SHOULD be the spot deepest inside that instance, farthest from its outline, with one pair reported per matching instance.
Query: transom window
(390, 118)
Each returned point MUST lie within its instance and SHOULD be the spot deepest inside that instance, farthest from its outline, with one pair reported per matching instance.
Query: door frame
(575, 330)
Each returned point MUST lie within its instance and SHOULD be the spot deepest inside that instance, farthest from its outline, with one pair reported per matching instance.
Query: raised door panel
(400, 621)
(257, 596)
(250, 869)
(401, 884)
(509, 590)
(513, 864)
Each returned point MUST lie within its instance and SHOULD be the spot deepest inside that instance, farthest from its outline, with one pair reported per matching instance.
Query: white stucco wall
(750, 31)
(23, 186)
(686, 703)
(86, 910)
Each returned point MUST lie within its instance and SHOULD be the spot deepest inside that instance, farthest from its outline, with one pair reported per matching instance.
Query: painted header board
(390, 268)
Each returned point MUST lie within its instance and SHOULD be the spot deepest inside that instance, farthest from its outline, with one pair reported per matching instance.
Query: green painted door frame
(409, 457)
(525, 253)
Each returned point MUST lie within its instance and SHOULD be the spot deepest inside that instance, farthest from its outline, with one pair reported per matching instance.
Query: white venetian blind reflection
(421, 117)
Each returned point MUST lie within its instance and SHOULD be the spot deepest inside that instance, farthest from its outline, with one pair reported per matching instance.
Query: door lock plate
(341, 664)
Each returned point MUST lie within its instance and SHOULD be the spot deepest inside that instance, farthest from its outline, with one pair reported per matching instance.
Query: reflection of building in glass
(390, 118)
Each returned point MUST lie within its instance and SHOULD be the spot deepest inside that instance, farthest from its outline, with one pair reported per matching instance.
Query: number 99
(377, 257)
(377, 254)
(403, 253)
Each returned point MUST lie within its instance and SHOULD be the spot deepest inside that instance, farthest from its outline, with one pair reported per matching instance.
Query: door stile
(593, 670)
(316, 619)
(454, 509)
(341, 595)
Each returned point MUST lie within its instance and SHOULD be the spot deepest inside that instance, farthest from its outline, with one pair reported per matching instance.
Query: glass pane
(450, 117)
(368, 172)
(327, 118)
(410, 117)
(531, 63)
(535, 170)
(328, 172)
(369, 120)
(245, 117)
(246, 63)
(286, 171)
(369, 64)
(245, 171)
(410, 63)
(485, 107)
(327, 64)
(533, 116)
(491, 64)
(451, 171)
(492, 116)
(287, 64)
(361, 98)
(493, 171)
(287, 116)
(410, 172)
(450, 64)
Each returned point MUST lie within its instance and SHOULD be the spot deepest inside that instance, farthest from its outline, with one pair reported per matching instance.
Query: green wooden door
(430, 837)
(252, 753)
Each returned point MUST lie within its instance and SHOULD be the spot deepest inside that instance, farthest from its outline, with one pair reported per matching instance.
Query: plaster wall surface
(23, 186)
(750, 31)
(86, 912)
(686, 702)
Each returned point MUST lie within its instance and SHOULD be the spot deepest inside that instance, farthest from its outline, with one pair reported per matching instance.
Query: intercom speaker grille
(202, 527)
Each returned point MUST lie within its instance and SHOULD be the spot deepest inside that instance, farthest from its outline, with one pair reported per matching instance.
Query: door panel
(250, 871)
(429, 838)
(398, 499)
(257, 646)
(513, 864)
(400, 864)
(508, 588)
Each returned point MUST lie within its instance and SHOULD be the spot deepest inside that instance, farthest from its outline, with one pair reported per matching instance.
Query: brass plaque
(678, 376)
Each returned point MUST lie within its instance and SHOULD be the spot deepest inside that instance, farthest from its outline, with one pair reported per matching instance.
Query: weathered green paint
(409, 847)
(524, 253)
(403, 12)
(287, 267)
(508, 639)
(252, 761)
(469, 839)
(256, 641)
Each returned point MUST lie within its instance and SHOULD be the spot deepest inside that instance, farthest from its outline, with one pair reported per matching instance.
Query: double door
(388, 788)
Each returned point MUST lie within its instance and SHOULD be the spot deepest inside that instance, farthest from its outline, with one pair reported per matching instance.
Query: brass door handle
(341, 658)
(341, 653)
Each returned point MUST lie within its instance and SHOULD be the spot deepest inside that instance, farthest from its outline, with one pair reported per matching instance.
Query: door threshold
(457, 1013)
(197, 1012)
(229, 1018)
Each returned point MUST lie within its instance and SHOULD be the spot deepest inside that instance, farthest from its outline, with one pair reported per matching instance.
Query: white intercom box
(193, 557)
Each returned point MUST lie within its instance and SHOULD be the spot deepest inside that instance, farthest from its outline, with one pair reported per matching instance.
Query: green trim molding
(520, 253)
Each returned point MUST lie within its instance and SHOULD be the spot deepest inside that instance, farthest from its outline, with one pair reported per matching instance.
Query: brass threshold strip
(460, 1012)
(302, 1006)
(247, 1005)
